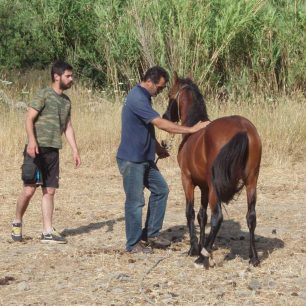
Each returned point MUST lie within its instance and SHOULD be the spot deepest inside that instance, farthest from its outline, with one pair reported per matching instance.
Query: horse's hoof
(194, 251)
(254, 261)
(202, 262)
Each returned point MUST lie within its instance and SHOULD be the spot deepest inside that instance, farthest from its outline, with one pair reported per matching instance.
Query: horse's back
(222, 130)
(199, 150)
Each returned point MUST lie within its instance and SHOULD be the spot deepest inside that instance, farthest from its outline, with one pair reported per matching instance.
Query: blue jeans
(136, 176)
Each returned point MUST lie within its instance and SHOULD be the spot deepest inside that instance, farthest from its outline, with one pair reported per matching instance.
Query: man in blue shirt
(135, 158)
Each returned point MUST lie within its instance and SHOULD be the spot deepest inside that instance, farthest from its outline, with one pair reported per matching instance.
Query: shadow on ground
(92, 227)
(175, 233)
(237, 241)
(230, 237)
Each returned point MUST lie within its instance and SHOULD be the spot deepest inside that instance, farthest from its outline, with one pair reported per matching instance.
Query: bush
(239, 46)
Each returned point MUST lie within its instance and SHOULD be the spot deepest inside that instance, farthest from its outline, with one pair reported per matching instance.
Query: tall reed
(234, 46)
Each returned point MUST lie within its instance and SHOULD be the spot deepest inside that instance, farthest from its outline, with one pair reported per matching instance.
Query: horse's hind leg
(216, 220)
(203, 259)
(251, 221)
(190, 215)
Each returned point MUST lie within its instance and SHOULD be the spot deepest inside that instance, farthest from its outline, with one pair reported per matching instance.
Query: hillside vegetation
(228, 46)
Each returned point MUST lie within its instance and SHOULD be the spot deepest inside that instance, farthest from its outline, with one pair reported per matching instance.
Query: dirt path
(92, 269)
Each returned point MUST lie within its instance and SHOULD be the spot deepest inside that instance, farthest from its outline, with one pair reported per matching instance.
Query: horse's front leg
(203, 259)
(202, 216)
(190, 215)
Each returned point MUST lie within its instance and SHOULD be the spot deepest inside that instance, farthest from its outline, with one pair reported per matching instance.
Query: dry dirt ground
(93, 269)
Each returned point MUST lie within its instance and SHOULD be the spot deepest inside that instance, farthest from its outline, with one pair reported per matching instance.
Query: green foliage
(237, 45)
(23, 42)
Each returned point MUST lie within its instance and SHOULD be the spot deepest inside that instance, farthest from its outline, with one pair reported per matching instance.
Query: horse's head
(172, 112)
(186, 103)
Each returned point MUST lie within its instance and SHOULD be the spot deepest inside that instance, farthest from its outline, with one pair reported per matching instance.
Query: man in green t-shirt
(48, 117)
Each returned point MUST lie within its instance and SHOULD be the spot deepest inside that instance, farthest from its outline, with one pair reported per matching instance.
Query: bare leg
(47, 208)
(23, 202)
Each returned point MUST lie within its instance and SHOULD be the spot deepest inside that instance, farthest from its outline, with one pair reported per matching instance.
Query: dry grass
(96, 118)
(92, 269)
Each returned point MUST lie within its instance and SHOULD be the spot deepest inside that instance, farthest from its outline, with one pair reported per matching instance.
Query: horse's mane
(198, 109)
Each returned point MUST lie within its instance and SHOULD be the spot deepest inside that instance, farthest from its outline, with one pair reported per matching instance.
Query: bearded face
(66, 80)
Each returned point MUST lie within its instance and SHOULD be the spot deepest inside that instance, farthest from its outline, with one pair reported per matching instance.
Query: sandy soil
(93, 269)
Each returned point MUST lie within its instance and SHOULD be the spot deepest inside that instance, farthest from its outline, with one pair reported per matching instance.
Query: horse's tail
(228, 167)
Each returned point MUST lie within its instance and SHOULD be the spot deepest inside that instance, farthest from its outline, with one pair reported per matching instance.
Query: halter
(177, 99)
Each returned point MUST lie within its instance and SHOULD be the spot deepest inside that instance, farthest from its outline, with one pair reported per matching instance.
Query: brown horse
(220, 160)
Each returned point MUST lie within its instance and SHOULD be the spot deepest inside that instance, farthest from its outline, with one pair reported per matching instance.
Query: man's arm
(32, 147)
(69, 133)
(171, 127)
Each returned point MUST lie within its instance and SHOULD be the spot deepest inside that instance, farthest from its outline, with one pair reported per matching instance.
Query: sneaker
(158, 242)
(16, 231)
(53, 237)
(141, 248)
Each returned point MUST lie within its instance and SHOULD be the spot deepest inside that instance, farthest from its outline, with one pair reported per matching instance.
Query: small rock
(117, 291)
(232, 283)
(303, 295)
(122, 277)
(167, 301)
(23, 286)
(6, 280)
(220, 293)
(254, 284)
(243, 294)
(271, 284)
(294, 294)
(167, 296)
(249, 303)
(274, 231)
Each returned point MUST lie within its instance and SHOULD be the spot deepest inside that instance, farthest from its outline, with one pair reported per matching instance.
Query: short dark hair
(59, 67)
(155, 73)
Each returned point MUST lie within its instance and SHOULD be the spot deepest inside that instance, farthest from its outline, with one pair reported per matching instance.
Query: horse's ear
(190, 75)
(175, 77)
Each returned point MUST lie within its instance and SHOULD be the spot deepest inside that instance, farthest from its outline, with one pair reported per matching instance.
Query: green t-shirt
(54, 113)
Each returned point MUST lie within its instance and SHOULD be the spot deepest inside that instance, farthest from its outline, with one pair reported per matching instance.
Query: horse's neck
(184, 139)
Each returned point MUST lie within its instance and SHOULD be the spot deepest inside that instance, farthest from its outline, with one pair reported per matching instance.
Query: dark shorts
(47, 162)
